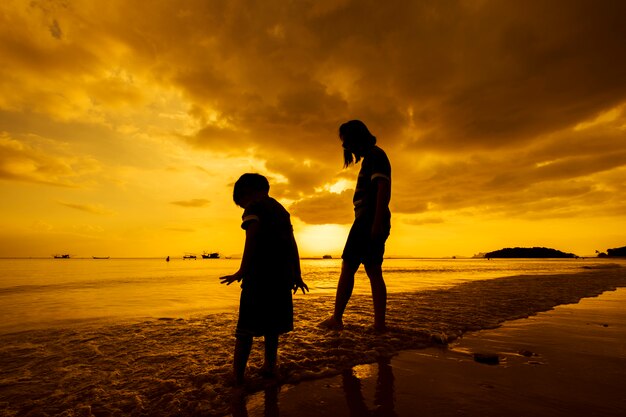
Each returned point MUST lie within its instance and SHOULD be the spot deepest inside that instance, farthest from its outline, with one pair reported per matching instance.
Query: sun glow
(337, 187)
(319, 240)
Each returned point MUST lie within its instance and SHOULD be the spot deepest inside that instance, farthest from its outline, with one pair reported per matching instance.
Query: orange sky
(123, 124)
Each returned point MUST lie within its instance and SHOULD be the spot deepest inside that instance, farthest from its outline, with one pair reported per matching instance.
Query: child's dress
(266, 306)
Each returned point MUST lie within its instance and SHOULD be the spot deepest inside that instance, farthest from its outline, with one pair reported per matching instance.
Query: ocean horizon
(47, 292)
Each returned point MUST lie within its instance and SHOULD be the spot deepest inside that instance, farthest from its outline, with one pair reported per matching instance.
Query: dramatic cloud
(30, 160)
(325, 208)
(487, 109)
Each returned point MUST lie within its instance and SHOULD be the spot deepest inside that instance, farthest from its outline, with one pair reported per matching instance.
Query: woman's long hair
(354, 134)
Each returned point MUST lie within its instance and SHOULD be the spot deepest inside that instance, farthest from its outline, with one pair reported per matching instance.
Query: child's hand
(301, 285)
(229, 279)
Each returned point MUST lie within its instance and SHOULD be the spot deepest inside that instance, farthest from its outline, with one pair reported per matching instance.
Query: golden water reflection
(358, 405)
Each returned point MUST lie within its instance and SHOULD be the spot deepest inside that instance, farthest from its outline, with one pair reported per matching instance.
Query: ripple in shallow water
(183, 367)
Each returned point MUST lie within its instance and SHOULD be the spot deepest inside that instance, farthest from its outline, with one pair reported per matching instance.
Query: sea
(43, 293)
(150, 337)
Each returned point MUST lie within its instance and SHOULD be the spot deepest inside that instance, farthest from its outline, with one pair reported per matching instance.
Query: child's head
(248, 187)
(356, 138)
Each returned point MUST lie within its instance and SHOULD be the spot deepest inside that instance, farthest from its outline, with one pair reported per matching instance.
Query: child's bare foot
(380, 329)
(237, 380)
(331, 323)
(269, 373)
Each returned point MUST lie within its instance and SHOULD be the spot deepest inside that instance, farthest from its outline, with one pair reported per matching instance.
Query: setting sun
(322, 240)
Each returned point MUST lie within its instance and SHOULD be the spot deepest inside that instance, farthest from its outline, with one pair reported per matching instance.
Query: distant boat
(62, 256)
(211, 255)
(327, 257)
(100, 257)
(189, 256)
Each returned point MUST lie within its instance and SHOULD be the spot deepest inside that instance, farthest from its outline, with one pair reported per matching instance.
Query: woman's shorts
(361, 248)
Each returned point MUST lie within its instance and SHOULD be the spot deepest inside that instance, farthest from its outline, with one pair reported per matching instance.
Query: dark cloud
(30, 162)
(55, 30)
(325, 208)
(304, 175)
(475, 101)
(575, 169)
(219, 139)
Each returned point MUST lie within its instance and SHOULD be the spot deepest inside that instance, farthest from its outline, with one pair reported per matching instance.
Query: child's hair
(356, 133)
(249, 183)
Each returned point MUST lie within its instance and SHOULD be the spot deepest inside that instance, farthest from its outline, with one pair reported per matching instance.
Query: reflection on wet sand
(383, 396)
(351, 380)
(239, 407)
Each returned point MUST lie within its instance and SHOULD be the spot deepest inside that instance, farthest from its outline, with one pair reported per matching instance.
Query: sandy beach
(558, 339)
(570, 361)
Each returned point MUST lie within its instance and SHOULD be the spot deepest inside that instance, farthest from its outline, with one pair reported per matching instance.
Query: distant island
(529, 253)
(613, 253)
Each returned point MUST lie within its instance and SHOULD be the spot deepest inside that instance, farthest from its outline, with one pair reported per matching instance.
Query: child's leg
(271, 354)
(243, 345)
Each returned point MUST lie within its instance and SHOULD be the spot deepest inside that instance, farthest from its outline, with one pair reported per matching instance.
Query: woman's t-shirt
(375, 167)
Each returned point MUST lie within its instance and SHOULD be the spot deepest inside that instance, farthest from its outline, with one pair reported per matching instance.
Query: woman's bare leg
(344, 292)
(379, 295)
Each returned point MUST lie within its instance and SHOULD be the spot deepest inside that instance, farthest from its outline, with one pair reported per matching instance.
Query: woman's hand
(229, 279)
(377, 232)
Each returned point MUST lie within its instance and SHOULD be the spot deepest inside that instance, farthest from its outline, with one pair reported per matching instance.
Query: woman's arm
(383, 196)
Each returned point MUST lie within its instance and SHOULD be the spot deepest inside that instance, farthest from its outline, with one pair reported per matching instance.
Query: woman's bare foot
(331, 324)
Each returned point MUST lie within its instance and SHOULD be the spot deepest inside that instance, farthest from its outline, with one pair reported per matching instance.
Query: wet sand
(182, 367)
(570, 361)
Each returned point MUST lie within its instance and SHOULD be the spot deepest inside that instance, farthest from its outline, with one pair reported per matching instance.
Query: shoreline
(166, 367)
(569, 361)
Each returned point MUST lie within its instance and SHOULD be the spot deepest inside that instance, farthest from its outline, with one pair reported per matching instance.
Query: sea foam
(173, 366)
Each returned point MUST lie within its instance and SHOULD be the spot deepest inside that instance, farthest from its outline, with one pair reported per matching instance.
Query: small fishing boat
(62, 256)
(189, 256)
(100, 257)
(210, 255)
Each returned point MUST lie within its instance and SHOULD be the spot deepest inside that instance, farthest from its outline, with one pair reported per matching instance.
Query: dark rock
(617, 252)
(535, 252)
(527, 353)
(487, 358)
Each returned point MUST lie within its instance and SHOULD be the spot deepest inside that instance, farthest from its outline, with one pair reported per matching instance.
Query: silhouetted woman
(372, 222)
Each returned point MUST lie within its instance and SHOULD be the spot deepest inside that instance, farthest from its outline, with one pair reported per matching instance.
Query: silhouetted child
(270, 269)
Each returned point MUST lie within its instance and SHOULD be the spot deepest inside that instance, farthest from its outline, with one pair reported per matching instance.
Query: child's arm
(248, 251)
(297, 273)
